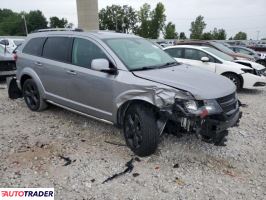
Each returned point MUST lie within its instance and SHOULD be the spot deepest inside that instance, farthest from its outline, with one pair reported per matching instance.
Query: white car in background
(245, 74)
(7, 63)
(11, 44)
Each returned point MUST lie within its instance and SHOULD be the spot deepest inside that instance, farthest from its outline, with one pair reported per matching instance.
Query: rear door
(56, 57)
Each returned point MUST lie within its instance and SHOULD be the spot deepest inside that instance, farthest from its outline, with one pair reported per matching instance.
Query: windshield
(138, 53)
(18, 42)
(222, 48)
(219, 54)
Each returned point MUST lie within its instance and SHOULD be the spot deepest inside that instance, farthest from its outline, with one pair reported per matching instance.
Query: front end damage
(207, 119)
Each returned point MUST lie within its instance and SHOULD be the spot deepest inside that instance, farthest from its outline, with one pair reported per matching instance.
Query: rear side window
(84, 51)
(174, 52)
(34, 46)
(57, 48)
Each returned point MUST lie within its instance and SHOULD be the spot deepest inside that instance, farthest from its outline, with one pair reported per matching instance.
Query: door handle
(38, 64)
(72, 72)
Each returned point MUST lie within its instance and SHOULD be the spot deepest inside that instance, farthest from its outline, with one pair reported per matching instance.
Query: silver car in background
(7, 63)
(128, 81)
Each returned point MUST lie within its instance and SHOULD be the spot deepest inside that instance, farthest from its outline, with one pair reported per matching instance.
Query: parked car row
(10, 44)
(7, 63)
(259, 57)
(245, 74)
(7, 56)
(127, 81)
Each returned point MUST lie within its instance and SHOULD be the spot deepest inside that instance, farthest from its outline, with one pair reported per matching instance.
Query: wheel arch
(124, 107)
(238, 75)
(29, 73)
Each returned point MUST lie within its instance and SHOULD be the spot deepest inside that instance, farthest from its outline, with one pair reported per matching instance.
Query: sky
(232, 15)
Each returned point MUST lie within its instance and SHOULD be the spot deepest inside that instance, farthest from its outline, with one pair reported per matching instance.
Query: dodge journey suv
(128, 81)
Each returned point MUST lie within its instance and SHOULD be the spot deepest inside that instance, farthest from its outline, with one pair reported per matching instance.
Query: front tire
(140, 130)
(32, 96)
(235, 79)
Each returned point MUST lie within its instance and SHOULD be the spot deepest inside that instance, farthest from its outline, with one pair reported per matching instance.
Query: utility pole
(258, 34)
(25, 24)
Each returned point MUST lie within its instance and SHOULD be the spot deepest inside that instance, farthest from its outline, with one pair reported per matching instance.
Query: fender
(30, 72)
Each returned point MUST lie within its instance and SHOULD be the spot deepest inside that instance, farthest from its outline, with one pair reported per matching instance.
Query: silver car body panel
(100, 94)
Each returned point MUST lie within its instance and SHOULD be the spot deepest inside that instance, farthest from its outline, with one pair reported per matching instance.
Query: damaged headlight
(251, 71)
(191, 106)
(212, 106)
(207, 107)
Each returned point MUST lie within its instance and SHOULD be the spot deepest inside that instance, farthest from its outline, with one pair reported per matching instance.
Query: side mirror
(205, 59)
(102, 65)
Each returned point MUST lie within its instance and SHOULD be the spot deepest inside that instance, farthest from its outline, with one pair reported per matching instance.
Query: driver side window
(84, 51)
(194, 54)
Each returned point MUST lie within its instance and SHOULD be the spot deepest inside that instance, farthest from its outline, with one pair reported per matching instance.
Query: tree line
(12, 23)
(145, 22)
(150, 23)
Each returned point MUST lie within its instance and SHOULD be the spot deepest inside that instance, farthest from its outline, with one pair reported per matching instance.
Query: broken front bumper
(213, 129)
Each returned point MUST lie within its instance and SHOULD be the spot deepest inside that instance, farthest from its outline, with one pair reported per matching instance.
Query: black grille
(228, 103)
(7, 66)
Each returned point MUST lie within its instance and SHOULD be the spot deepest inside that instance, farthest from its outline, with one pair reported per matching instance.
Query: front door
(193, 57)
(89, 91)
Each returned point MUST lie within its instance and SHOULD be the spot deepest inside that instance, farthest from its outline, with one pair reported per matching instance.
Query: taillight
(15, 57)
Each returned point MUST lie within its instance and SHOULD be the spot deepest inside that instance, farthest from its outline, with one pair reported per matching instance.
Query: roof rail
(58, 29)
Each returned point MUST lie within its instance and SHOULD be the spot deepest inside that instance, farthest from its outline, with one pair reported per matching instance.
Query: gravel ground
(183, 168)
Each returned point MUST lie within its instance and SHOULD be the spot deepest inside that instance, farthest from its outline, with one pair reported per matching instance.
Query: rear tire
(140, 130)
(235, 79)
(32, 96)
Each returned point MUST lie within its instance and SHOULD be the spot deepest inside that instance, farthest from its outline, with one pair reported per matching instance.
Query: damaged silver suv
(127, 81)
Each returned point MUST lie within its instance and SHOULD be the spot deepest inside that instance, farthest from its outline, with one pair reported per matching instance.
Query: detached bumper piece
(13, 91)
(214, 129)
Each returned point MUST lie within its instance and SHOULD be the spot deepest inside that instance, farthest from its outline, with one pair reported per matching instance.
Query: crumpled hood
(254, 65)
(202, 84)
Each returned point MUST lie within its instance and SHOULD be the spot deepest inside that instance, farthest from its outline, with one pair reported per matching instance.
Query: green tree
(130, 19)
(207, 36)
(240, 36)
(197, 28)
(158, 19)
(170, 31)
(120, 19)
(36, 20)
(218, 34)
(182, 36)
(11, 23)
(55, 22)
(145, 21)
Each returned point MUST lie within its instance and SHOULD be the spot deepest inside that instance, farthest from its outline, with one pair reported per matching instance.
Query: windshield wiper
(144, 68)
(169, 64)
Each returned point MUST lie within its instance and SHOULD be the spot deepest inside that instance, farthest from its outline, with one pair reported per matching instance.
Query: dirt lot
(183, 168)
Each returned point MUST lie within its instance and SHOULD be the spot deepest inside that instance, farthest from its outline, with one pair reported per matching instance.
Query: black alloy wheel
(31, 95)
(133, 132)
(140, 129)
